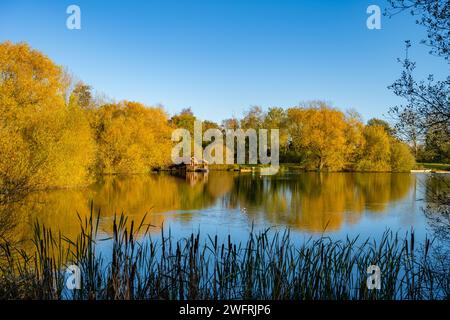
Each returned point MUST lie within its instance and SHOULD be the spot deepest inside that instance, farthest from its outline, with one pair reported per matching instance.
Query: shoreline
(428, 171)
(247, 168)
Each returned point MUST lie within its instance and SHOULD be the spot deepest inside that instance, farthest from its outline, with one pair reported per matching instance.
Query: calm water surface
(310, 204)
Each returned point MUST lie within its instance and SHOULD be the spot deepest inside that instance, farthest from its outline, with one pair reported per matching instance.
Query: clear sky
(221, 57)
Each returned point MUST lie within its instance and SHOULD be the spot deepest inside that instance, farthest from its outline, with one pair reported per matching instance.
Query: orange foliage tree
(44, 140)
(131, 138)
(319, 132)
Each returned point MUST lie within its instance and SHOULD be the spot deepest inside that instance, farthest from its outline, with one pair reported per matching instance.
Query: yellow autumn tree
(376, 153)
(319, 133)
(354, 139)
(44, 141)
(132, 138)
(402, 159)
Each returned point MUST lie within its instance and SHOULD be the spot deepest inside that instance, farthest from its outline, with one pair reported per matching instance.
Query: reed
(269, 265)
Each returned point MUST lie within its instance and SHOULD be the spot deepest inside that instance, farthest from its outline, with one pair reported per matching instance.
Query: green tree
(437, 145)
(83, 95)
(276, 118)
(253, 118)
(185, 120)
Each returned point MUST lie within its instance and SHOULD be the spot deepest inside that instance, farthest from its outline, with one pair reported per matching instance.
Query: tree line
(320, 137)
(55, 133)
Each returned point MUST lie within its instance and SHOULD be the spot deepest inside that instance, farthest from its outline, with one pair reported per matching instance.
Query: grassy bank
(434, 166)
(268, 266)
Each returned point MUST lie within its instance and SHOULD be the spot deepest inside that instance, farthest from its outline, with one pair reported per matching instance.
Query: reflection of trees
(318, 201)
(437, 211)
(381, 188)
(220, 183)
(7, 221)
(135, 196)
(309, 201)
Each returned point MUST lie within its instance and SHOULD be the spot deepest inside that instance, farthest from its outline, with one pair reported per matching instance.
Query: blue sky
(221, 57)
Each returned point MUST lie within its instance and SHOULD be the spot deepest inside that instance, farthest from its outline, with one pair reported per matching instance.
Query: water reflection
(319, 201)
(313, 202)
(437, 209)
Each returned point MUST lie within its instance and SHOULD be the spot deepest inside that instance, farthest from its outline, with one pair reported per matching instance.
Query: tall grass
(269, 265)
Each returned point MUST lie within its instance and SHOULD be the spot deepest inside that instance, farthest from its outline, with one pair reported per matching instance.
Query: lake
(219, 202)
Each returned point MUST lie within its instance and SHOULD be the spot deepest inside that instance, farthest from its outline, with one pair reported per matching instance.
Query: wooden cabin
(193, 166)
(197, 165)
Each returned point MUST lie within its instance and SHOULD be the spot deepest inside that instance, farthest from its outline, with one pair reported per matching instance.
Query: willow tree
(376, 150)
(319, 133)
(132, 138)
(402, 159)
(43, 141)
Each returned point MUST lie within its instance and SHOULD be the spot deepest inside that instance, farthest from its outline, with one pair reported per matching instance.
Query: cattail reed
(269, 265)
